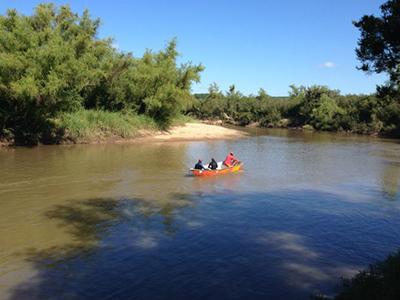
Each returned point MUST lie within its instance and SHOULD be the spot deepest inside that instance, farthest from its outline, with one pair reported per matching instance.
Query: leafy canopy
(379, 45)
(53, 62)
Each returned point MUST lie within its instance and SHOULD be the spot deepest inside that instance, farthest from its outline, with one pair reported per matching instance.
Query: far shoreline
(198, 130)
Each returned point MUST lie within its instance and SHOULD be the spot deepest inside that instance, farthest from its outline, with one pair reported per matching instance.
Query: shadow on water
(86, 221)
(277, 245)
(89, 221)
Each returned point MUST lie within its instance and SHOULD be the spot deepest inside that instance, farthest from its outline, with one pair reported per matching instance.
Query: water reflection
(390, 177)
(303, 263)
(89, 221)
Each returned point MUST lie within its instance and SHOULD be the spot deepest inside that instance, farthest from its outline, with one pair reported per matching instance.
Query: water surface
(125, 222)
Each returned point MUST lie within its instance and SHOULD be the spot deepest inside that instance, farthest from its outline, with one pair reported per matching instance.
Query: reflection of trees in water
(90, 221)
(308, 136)
(390, 175)
(391, 179)
(86, 221)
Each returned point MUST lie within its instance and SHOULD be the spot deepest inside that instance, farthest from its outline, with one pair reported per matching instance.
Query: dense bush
(236, 108)
(317, 106)
(53, 62)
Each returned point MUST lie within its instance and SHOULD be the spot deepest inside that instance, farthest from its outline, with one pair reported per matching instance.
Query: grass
(98, 124)
(89, 125)
(181, 120)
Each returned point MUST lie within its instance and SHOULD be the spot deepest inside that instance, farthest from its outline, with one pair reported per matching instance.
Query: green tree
(262, 94)
(379, 46)
(306, 100)
(379, 51)
(214, 104)
(165, 87)
(327, 114)
(154, 85)
(53, 62)
(48, 63)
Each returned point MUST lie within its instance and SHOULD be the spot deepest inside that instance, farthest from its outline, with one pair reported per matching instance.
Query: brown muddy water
(126, 222)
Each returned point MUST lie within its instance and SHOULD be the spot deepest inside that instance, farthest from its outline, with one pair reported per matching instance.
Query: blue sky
(252, 44)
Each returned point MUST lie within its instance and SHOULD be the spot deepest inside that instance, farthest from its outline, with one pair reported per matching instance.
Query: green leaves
(325, 115)
(24, 88)
(379, 281)
(47, 61)
(379, 51)
(53, 62)
(379, 46)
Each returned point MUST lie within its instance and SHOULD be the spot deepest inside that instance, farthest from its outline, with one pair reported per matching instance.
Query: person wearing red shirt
(230, 160)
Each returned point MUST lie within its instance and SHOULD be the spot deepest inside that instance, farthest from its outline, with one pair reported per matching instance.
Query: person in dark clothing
(213, 164)
(199, 165)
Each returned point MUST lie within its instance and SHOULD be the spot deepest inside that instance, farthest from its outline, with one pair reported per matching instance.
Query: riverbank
(284, 124)
(188, 131)
(193, 131)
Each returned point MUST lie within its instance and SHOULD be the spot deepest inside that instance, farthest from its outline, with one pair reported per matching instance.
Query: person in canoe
(231, 160)
(199, 165)
(213, 165)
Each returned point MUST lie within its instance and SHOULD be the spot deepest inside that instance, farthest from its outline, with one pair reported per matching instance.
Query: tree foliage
(379, 46)
(318, 106)
(325, 115)
(53, 61)
(379, 51)
(380, 281)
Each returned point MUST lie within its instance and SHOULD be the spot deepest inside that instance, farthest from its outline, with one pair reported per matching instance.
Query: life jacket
(229, 160)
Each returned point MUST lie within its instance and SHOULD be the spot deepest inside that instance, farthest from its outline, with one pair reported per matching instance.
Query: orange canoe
(222, 171)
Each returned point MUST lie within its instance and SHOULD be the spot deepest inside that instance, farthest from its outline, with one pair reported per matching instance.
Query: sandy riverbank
(189, 132)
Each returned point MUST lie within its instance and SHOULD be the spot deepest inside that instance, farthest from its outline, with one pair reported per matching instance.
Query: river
(126, 222)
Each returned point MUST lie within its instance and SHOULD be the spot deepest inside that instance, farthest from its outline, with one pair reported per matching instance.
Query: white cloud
(328, 64)
(115, 45)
